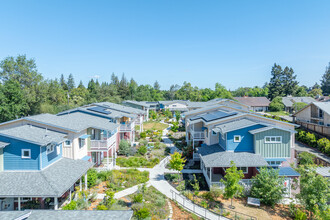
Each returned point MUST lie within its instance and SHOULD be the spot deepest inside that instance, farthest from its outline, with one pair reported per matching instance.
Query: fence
(320, 129)
(207, 214)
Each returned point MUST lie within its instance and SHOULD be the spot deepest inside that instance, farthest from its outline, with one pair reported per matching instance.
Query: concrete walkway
(302, 147)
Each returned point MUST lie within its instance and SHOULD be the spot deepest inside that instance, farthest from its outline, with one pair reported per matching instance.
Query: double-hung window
(274, 163)
(26, 153)
(50, 148)
(244, 169)
(273, 139)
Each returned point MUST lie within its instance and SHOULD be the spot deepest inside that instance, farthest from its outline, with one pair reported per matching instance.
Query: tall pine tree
(325, 82)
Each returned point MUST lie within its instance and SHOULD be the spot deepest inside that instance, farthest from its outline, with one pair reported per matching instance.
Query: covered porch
(56, 182)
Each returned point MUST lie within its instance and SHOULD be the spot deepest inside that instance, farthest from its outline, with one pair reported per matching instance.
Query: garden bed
(136, 162)
(153, 125)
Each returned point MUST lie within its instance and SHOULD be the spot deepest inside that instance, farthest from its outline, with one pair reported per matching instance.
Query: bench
(253, 201)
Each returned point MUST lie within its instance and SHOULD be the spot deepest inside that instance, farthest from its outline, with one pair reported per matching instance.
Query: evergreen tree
(325, 82)
(289, 81)
(81, 85)
(275, 84)
(63, 83)
(71, 84)
(156, 85)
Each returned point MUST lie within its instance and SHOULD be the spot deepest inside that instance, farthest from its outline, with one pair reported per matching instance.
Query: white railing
(197, 134)
(126, 127)
(246, 183)
(103, 145)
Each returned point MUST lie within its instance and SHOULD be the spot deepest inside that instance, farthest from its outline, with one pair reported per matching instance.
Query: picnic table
(253, 201)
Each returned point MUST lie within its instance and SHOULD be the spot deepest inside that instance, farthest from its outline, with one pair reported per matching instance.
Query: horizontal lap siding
(273, 150)
(48, 159)
(12, 155)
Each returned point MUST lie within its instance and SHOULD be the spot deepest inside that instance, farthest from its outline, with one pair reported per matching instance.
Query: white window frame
(239, 137)
(81, 140)
(58, 149)
(274, 163)
(247, 169)
(52, 146)
(273, 141)
(67, 145)
(26, 150)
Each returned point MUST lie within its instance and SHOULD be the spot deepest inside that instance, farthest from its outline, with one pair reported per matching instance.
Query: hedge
(323, 144)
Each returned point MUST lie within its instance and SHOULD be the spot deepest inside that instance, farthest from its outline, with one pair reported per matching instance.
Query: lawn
(153, 125)
(281, 113)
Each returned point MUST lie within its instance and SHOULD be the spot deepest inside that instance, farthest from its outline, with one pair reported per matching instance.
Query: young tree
(268, 186)
(325, 82)
(124, 147)
(298, 105)
(177, 161)
(314, 189)
(177, 116)
(231, 182)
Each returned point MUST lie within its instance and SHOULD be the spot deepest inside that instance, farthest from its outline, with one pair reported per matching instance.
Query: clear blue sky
(203, 42)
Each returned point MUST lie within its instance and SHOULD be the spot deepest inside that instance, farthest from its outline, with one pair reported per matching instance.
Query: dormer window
(26, 153)
(50, 148)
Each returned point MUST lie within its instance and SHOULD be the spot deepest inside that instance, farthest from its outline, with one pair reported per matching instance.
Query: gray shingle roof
(215, 156)
(289, 101)
(325, 106)
(136, 103)
(33, 134)
(234, 125)
(323, 171)
(68, 214)
(76, 121)
(3, 144)
(253, 101)
(121, 108)
(53, 181)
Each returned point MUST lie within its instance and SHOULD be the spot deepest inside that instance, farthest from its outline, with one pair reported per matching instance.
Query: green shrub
(91, 177)
(71, 206)
(143, 135)
(306, 158)
(276, 105)
(173, 177)
(124, 147)
(300, 215)
(323, 145)
(103, 175)
(142, 213)
(101, 207)
(142, 150)
(311, 139)
(182, 186)
(138, 198)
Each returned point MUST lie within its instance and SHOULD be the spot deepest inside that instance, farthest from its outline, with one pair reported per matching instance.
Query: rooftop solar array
(213, 116)
(99, 109)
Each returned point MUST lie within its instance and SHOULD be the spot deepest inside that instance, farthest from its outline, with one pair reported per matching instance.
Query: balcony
(197, 135)
(103, 145)
(126, 127)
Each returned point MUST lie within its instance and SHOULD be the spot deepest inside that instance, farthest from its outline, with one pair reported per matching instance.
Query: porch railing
(197, 134)
(246, 183)
(102, 145)
(126, 127)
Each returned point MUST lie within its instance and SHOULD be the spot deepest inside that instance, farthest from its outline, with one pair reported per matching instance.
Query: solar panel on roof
(99, 110)
(214, 116)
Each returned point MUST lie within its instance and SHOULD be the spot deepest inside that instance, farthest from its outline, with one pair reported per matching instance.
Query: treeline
(24, 91)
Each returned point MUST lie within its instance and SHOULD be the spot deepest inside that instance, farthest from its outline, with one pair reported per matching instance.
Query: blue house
(32, 166)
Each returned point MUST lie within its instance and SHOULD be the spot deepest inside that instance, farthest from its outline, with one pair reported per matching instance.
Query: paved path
(302, 147)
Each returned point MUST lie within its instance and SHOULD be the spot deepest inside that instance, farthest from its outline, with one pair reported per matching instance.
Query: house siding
(222, 141)
(273, 150)
(246, 144)
(47, 159)
(12, 155)
(1, 159)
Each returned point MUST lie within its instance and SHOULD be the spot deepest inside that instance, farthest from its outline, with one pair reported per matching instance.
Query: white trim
(52, 150)
(247, 169)
(67, 145)
(239, 138)
(273, 141)
(26, 157)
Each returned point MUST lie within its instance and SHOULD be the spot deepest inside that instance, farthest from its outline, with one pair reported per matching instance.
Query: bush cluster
(136, 162)
(323, 144)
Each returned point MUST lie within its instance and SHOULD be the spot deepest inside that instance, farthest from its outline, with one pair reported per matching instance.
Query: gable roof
(36, 214)
(33, 134)
(52, 181)
(253, 101)
(325, 106)
(3, 144)
(120, 108)
(289, 101)
(76, 121)
(144, 104)
(234, 125)
(213, 115)
(215, 156)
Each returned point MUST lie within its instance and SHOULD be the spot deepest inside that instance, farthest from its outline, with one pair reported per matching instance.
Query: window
(26, 153)
(244, 169)
(237, 138)
(81, 142)
(320, 113)
(214, 133)
(50, 148)
(58, 149)
(274, 163)
(273, 139)
(67, 143)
